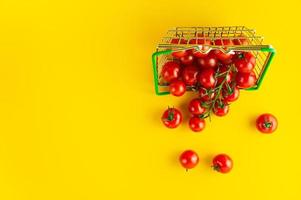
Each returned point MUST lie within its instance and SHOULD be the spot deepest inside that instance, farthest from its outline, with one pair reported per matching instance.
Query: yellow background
(79, 118)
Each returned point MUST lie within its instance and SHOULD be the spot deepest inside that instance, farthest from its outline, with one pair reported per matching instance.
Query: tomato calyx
(216, 168)
(171, 114)
(267, 124)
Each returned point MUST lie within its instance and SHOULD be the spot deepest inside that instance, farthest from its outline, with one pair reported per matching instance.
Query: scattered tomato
(172, 118)
(222, 163)
(170, 71)
(196, 124)
(177, 88)
(189, 159)
(266, 123)
(195, 107)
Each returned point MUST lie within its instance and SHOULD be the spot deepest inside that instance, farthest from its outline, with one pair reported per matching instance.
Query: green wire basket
(252, 43)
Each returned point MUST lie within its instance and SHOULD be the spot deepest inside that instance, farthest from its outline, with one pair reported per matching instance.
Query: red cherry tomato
(177, 88)
(172, 118)
(209, 61)
(196, 124)
(222, 70)
(230, 96)
(266, 123)
(244, 62)
(189, 159)
(206, 94)
(221, 55)
(245, 80)
(221, 108)
(206, 78)
(170, 71)
(189, 75)
(187, 60)
(195, 107)
(204, 46)
(222, 163)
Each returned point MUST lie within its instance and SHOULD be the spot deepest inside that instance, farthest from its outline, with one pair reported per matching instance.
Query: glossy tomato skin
(189, 159)
(245, 80)
(195, 107)
(266, 123)
(172, 118)
(244, 62)
(170, 71)
(206, 94)
(187, 60)
(221, 55)
(206, 78)
(222, 163)
(232, 96)
(196, 124)
(209, 61)
(189, 75)
(177, 88)
(221, 109)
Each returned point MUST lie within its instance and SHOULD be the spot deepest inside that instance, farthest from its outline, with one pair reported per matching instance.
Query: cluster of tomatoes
(216, 76)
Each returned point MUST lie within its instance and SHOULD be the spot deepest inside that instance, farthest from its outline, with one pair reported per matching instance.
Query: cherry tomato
(221, 108)
(206, 94)
(197, 124)
(266, 123)
(189, 159)
(189, 75)
(172, 118)
(204, 46)
(206, 78)
(230, 96)
(222, 70)
(187, 60)
(222, 163)
(170, 71)
(177, 88)
(244, 62)
(245, 80)
(195, 107)
(209, 61)
(221, 55)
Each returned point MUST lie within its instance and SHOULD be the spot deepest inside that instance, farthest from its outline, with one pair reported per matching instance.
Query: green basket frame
(155, 56)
